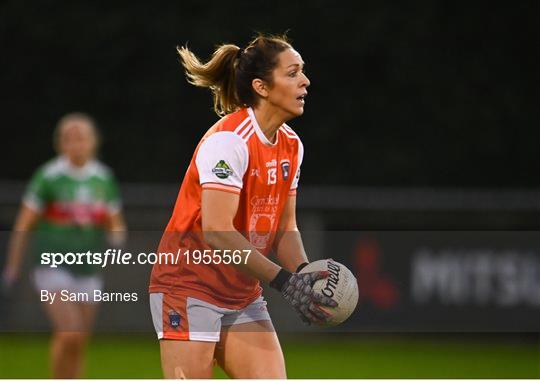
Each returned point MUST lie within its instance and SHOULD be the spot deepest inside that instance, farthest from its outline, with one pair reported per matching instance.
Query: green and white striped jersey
(75, 204)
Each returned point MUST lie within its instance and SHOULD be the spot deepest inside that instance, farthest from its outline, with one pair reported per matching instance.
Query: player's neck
(269, 120)
(76, 163)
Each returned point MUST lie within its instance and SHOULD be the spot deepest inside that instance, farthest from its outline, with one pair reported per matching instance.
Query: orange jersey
(233, 156)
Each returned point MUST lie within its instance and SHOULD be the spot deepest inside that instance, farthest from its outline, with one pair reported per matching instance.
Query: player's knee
(179, 373)
(268, 373)
(72, 341)
(188, 372)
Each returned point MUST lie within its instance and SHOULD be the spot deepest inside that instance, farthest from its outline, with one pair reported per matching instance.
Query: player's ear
(260, 87)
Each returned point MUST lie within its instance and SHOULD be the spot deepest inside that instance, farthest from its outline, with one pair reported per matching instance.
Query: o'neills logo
(332, 280)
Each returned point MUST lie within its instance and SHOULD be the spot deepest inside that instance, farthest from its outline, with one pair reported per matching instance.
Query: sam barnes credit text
(93, 296)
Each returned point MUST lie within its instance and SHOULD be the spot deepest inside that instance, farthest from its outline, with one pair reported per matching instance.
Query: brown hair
(80, 116)
(231, 70)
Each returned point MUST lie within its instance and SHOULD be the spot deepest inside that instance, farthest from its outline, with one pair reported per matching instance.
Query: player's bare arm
(117, 229)
(288, 244)
(26, 220)
(218, 210)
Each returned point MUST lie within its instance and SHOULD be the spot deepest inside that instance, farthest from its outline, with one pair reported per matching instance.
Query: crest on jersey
(285, 169)
(174, 319)
(222, 170)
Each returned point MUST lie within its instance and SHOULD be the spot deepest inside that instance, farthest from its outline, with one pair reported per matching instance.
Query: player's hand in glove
(297, 289)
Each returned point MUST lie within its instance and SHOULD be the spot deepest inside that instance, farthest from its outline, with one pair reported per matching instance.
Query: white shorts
(178, 317)
(58, 279)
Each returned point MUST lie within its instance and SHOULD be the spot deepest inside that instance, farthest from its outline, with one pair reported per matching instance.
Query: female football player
(236, 204)
(71, 202)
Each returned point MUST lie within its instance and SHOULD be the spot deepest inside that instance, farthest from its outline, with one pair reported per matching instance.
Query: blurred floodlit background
(420, 173)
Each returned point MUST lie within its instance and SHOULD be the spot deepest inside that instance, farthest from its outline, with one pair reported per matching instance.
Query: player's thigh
(88, 313)
(88, 285)
(187, 359)
(251, 350)
(189, 329)
(65, 316)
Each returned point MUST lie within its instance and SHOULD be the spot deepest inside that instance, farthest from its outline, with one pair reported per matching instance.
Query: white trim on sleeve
(223, 159)
(294, 183)
(33, 202)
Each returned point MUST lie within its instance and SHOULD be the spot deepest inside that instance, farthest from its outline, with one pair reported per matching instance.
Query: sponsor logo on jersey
(174, 319)
(262, 219)
(271, 163)
(254, 172)
(285, 169)
(222, 170)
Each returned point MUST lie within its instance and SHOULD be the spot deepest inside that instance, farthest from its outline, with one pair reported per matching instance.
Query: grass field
(329, 356)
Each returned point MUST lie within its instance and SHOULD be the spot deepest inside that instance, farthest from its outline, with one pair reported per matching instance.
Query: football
(341, 285)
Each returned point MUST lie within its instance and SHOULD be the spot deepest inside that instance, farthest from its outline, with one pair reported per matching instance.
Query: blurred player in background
(239, 193)
(71, 205)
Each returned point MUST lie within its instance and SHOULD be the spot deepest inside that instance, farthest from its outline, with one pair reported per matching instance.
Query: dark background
(418, 114)
(430, 93)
